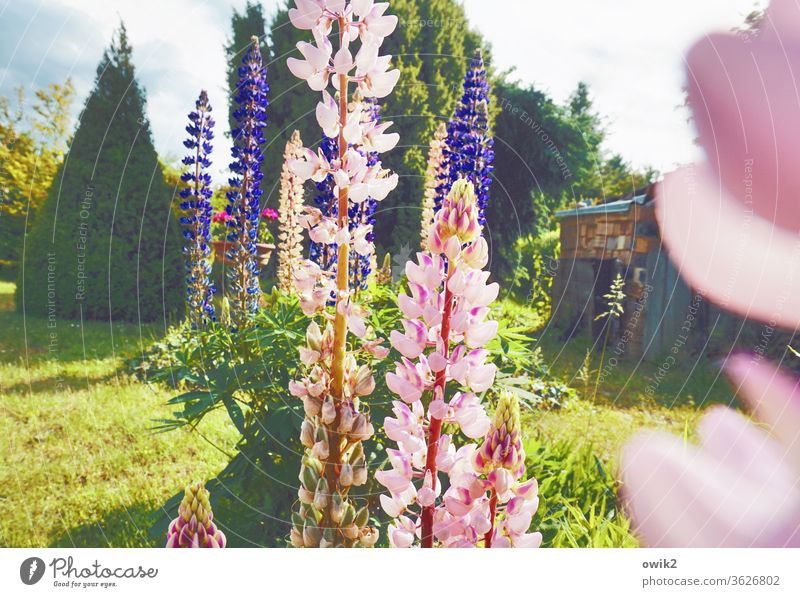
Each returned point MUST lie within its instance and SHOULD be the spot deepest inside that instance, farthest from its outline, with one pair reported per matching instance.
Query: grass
(82, 466)
(691, 381)
(574, 451)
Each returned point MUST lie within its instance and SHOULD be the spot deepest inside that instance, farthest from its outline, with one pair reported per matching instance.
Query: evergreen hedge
(105, 245)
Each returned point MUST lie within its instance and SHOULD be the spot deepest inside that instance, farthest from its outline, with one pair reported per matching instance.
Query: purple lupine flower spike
(197, 209)
(468, 151)
(245, 196)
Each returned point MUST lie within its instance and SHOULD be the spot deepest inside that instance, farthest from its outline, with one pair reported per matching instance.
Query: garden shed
(621, 237)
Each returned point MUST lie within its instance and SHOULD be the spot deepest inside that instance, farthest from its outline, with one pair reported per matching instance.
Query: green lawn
(81, 465)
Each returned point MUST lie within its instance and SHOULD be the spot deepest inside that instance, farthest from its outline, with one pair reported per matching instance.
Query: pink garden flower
(740, 487)
(221, 217)
(269, 214)
(335, 386)
(442, 341)
(731, 225)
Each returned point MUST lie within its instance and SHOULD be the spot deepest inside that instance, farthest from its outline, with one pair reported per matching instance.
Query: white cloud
(629, 51)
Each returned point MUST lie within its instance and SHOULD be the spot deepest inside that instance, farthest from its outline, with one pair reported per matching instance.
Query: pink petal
(530, 540)
(400, 538)
(437, 409)
(682, 496)
(410, 308)
(744, 97)
(299, 68)
(407, 391)
(393, 481)
(773, 395)
(743, 263)
(392, 507)
(478, 335)
(481, 378)
(406, 346)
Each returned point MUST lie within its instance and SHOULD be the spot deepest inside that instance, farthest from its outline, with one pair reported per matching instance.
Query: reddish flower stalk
(435, 429)
(487, 539)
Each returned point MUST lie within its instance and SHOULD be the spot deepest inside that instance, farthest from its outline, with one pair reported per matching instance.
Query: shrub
(246, 374)
(537, 263)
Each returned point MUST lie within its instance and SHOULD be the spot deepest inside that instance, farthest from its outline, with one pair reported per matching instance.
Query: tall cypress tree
(291, 105)
(106, 245)
(244, 25)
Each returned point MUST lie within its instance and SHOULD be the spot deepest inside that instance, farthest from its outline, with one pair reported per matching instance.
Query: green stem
(602, 360)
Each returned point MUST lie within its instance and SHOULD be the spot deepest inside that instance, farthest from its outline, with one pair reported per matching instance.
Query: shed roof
(639, 197)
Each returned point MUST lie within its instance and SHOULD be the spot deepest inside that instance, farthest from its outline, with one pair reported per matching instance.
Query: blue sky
(629, 51)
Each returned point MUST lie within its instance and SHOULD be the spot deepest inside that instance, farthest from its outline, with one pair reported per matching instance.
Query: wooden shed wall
(609, 235)
(657, 300)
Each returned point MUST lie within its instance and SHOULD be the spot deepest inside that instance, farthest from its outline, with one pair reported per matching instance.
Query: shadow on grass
(59, 383)
(693, 380)
(122, 527)
(32, 340)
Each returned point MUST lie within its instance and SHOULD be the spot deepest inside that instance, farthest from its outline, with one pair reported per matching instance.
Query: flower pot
(221, 247)
(263, 253)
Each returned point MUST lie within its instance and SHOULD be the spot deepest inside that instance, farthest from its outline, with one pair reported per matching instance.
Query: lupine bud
(458, 218)
(362, 428)
(328, 410)
(308, 476)
(304, 495)
(502, 447)
(359, 474)
(321, 494)
(327, 538)
(364, 382)
(194, 526)
(307, 433)
(296, 538)
(369, 537)
(361, 517)
(311, 406)
(307, 512)
(320, 450)
(349, 515)
(357, 455)
(337, 508)
(311, 535)
(314, 337)
(346, 419)
(346, 475)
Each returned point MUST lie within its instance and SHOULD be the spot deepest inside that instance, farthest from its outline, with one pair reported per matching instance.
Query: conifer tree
(244, 25)
(431, 47)
(106, 245)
